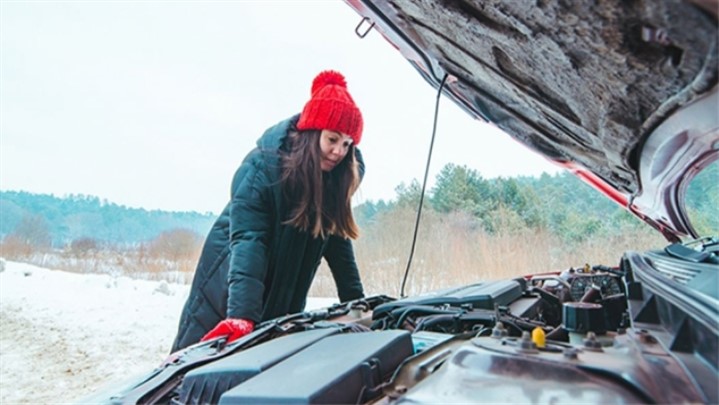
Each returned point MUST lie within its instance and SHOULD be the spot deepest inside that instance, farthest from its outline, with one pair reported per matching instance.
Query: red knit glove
(233, 328)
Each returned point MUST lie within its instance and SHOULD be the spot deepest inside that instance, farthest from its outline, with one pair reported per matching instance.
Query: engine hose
(402, 311)
(527, 324)
(432, 320)
(425, 310)
(357, 328)
(514, 325)
(379, 324)
(397, 312)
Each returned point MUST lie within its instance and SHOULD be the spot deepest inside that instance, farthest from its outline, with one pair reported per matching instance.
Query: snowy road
(65, 335)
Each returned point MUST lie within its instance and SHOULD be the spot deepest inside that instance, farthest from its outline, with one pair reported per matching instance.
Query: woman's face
(333, 147)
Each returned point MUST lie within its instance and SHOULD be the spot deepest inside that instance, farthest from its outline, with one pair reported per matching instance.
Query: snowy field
(64, 335)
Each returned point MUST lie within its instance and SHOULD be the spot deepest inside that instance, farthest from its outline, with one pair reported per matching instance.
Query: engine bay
(590, 334)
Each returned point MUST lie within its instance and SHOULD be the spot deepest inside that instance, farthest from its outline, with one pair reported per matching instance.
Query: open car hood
(597, 88)
(623, 94)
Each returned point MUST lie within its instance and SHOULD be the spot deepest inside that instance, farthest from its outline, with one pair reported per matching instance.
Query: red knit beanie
(331, 107)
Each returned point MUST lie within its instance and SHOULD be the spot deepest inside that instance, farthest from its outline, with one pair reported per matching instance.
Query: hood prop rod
(424, 186)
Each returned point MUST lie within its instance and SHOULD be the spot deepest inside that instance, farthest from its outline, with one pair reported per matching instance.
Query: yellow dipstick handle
(538, 337)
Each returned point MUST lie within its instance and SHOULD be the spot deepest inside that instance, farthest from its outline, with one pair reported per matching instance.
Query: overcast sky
(154, 104)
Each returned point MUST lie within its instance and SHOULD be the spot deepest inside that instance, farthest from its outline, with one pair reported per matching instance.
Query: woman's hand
(232, 328)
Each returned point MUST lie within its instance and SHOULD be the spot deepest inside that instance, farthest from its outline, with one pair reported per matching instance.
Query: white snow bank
(64, 335)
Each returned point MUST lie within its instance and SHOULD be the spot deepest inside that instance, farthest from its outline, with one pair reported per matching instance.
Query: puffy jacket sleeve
(340, 257)
(250, 234)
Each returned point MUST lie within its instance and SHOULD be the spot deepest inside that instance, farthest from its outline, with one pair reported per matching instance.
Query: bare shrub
(171, 252)
(453, 249)
(34, 231)
(14, 248)
(172, 257)
(83, 247)
(31, 235)
(176, 244)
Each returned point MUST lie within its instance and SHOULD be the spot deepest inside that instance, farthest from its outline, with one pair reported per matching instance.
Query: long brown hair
(321, 202)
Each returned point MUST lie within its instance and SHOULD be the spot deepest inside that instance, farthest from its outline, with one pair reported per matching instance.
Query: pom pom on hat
(327, 78)
(331, 107)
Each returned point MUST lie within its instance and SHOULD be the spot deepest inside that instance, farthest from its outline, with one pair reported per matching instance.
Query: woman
(290, 207)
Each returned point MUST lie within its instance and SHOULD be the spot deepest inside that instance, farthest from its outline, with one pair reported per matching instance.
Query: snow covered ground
(65, 335)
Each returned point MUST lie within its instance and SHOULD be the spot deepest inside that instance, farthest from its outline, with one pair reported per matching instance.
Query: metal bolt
(591, 342)
(571, 353)
(655, 35)
(499, 331)
(526, 345)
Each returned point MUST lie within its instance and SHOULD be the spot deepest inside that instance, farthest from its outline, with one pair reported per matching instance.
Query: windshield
(702, 201)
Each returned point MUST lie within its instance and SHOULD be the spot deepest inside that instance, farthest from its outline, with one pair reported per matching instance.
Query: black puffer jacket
(254, 267)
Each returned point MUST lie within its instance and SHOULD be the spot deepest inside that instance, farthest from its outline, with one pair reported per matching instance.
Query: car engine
(644, 331)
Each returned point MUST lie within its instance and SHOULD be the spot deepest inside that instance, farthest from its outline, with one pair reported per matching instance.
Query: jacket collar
(274, 136)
